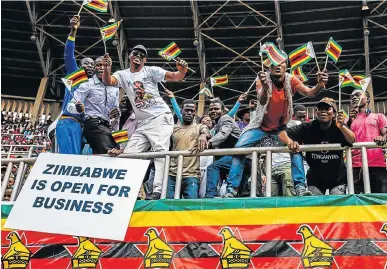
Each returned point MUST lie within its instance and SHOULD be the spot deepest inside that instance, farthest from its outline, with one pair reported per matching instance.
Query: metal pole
(268, 173)
(179, 176)
(280, 38)
(9, 152)
(165, 177)
(18, 181)
(351, 188)
(216, 11)
(254, 170)
(366, 175)
(366, 33)
(6, 179)
(259, 13)
(22, 180)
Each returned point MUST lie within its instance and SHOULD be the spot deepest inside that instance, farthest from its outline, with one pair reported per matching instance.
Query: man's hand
(380, 140)
(202, 143)
(294, 146)
(253, 104)
(107, 61)
(114, 113)
(322, 77)
(169, 94)
(80, 107)
(75, 22)
(242, 97)
(181, 65)
(114, 152)
(340, 118)
(263, 78)
(353, 113)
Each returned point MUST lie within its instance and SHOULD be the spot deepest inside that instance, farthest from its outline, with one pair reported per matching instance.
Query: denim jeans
(250, 139)
(213, 175)
(189, 187)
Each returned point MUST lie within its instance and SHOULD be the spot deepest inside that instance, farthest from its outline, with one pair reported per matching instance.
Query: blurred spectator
(300, 113)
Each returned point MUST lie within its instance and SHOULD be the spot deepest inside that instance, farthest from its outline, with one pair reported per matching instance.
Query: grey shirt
(98, 98)
(227, 133)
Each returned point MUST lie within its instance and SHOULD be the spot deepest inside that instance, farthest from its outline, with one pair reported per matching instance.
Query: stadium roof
(228, 34)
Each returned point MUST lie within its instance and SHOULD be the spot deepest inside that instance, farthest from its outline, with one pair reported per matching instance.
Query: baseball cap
(328, 101)
(142, 48)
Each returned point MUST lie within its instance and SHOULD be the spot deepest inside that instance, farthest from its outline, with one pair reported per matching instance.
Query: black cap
(142, 48)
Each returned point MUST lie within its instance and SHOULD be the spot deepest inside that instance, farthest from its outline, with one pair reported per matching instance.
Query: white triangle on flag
(341, 80)
(213, 81)
(364, 83)
(85, 2)
(310, 50)
(67, 83)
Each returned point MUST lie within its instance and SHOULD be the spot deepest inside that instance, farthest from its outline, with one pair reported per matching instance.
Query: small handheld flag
(171, 52)
(297, 72)
(206, 91)
(361, 81)
(108, 32)
(120, 136)
(301, 55)
(345, 80)
(98, 5)
(75, 79)
(273, 53)
(333, 50)
(219, 80)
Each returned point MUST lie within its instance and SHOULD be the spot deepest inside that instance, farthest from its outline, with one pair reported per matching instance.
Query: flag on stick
(267, 63)
(273, 53)
(345, 79)
(219, 80)
(333, 50)
(302, 55)
(98, 5)
(297, 72)
(120, 136)
(361, 81)
(206, 91)
(75, 79)
(109, 31)
(170, 52)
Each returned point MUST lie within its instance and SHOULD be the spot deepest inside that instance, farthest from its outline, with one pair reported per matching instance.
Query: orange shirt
(276, 112)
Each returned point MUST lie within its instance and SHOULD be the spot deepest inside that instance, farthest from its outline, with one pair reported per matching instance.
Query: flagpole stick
(326, 62)
(254, 82)
(79, 12)
(162, 85)
(187, 66)
(339, 97)
(104, 44)
(260, 45)
(318, 67)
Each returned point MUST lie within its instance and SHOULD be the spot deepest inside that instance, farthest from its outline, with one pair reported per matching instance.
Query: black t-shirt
(327, 168)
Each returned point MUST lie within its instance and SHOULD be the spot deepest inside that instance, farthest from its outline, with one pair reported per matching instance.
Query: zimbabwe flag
(170, 52)
(302, 55)
(345, 79)
(75, 79)
(325, 232)
(108, 31)
(333, 50)
(120, 136)
(219, 80)
(361, 81)
(98, 5)
(299, 73)
(273, 53)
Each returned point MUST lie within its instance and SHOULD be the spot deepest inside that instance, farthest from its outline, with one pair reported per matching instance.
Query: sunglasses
(138, 54)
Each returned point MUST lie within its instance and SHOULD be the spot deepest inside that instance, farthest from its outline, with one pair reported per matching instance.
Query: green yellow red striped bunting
(108, 31)
(333, 50)
(98, 5)
(170, 52)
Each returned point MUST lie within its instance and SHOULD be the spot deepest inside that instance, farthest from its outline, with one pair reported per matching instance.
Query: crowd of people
(94, 110)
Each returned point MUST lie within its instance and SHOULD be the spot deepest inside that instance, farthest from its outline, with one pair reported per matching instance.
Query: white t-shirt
(141, 88)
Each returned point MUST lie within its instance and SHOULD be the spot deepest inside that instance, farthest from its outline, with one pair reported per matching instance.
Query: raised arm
(181, 66)
(107, 77)
(69, 58)
(175, 106)
(237, 105)
(322, 80)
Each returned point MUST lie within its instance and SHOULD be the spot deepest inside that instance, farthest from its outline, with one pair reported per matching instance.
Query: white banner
(79, 195)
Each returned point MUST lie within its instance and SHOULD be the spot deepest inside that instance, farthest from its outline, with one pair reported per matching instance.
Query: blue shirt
(71, 66)
(98, 98)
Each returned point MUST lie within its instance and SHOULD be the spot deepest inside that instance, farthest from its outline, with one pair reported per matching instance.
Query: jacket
(227, 133)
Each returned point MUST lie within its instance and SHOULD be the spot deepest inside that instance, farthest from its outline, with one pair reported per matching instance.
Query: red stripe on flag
(298, 54)
(273, 53)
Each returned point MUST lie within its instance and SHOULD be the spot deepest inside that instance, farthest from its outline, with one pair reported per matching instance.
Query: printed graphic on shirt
(325, 155)
(142, 99)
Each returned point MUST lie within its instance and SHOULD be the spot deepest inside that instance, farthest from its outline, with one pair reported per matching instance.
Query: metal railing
(254, 151)
(11, 152)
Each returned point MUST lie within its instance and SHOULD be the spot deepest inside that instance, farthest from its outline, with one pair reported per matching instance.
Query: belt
(98, 120)
(70, 117)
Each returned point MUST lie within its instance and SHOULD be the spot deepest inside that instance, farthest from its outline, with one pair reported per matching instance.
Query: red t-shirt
(366, 128)
(276, 112)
